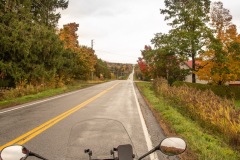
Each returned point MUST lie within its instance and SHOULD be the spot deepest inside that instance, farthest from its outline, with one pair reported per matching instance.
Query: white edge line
(145, 130)
(41, 101)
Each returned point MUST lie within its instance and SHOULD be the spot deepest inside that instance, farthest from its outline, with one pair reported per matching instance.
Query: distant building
(234, 83)
(188, 65)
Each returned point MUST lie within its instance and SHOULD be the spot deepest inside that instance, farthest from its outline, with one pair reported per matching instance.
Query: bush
(214, 112)
(230, 92)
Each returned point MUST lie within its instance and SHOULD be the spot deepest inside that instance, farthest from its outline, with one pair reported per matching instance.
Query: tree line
(120, 70)
(34, 52)
(202, 32)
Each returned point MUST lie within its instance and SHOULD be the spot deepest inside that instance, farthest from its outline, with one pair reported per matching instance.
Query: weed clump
(213, 112)
(229, 92)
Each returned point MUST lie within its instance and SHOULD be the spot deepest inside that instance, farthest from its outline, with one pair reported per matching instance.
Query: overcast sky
(121, 28)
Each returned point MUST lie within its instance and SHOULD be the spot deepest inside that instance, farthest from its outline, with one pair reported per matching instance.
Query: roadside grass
(201, 144)
(46, 93)
(237, 103)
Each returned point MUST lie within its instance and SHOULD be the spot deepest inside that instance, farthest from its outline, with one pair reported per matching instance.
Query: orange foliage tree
(69, 36)
(221, 62)
(83, 56)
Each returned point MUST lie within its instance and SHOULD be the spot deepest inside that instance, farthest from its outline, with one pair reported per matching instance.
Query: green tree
(44, 11)
(30, 52)
(188, 21)
(162, 62)
(101, 70)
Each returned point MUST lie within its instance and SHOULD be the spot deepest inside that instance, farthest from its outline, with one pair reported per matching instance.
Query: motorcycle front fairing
(99, 139)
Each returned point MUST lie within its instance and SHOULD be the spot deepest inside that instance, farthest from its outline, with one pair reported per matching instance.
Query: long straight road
(44, 126)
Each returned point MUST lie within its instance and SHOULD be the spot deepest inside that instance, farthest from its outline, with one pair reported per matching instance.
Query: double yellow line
(36, 131)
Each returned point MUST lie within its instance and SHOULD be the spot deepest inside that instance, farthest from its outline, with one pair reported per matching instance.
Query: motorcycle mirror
(14, 152)
(172, 146)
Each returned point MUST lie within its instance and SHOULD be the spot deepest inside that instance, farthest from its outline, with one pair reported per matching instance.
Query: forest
(34, 52)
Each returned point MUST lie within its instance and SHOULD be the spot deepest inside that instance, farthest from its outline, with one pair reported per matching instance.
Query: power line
(106, 52)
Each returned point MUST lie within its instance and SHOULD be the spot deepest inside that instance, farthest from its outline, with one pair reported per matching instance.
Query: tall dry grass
(20, 91)
(215, 113)
(23, 88)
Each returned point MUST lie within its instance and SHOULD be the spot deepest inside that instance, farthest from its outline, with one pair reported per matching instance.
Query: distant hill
(120, 70)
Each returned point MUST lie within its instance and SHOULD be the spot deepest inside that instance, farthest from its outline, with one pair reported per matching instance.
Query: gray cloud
(86, 8)
(122, 27)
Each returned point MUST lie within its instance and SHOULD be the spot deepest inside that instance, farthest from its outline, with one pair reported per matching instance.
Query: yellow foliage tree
(69, 36)
(88, 57)
(221, 62)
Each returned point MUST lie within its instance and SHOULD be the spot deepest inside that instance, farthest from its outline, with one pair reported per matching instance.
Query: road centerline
(41, 128)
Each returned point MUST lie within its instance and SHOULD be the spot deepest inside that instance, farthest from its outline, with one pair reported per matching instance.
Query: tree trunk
(193, 69)
(193, 63)
(193, 78)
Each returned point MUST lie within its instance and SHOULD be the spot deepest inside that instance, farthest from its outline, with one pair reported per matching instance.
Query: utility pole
(92, 49)
(92, 43)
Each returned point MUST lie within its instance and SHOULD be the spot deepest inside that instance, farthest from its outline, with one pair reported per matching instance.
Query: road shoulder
(155, 131)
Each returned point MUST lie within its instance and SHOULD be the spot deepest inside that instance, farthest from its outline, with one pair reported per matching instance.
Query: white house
(188, 65)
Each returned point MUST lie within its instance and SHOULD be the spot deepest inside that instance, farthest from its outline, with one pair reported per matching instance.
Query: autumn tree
(146, 75)
(88, 59)
(220, 63)
(137, 72)
(69, 36)
(188, 21)
(146, 62)
(85, 59)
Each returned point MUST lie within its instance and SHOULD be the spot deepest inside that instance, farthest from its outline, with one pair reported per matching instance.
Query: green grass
(44, 94)
(237, 103)
(203, 145)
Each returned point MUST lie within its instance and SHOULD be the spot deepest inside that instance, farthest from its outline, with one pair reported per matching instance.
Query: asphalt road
(113, 100)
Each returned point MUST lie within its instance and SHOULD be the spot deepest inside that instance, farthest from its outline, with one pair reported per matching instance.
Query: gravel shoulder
(155, 131)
